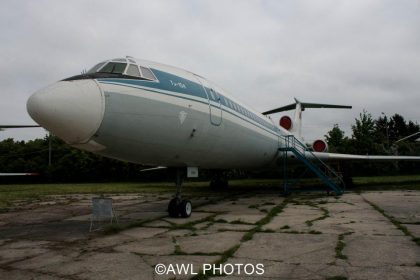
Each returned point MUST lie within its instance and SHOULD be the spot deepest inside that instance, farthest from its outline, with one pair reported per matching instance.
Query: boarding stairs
(293, 148)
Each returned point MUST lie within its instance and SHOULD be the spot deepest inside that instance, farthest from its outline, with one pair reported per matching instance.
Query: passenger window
(133, 70)
(147, 73)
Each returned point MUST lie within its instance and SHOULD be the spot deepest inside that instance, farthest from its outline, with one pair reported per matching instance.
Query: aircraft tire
(185, 208)
(173, 207)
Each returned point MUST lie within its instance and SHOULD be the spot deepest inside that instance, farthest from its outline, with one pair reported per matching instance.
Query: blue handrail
(301, 151)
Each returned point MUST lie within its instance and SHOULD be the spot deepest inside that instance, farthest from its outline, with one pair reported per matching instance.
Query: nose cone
(71, 110)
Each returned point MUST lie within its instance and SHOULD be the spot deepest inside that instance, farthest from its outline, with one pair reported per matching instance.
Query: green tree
(337, 141)
(364, 137)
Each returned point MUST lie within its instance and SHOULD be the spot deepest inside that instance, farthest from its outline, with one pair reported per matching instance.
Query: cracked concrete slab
(209, 243)
(282, 270)
(23, 275)
(413, 229)
(104, 266)
(288, 248)
(157, 246)
(403, 205)
(60, 246)
(227, 226)
(293, 218)
(377, 251)
(195, 216)
(241, 217)
(362, 227)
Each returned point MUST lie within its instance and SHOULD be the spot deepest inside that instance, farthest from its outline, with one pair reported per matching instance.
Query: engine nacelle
(286, 122)
(320, 146)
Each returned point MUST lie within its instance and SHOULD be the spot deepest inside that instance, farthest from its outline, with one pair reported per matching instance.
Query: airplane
(154, 114)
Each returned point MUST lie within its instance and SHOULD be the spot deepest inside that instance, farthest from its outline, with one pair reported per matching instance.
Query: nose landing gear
(179, 207)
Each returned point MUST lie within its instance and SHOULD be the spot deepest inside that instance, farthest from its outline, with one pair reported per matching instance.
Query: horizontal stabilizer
(304, 106)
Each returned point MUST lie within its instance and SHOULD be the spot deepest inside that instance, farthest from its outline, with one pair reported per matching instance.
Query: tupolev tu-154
(154, 114)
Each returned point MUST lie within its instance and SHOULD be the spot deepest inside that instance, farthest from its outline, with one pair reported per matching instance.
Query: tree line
(381, 136)
(369, 136)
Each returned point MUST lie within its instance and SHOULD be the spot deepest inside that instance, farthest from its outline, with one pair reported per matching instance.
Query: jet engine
(319, 146)
(286, 122)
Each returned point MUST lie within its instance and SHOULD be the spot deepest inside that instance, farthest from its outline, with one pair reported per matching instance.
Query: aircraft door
(214, 101)
(215, 108)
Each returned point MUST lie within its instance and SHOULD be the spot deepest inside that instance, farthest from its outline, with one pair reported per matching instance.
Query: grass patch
(9, 194)
(268, 203)
(340, 246)
(190, 225)
(248, 236)
(416, 240)
(273, 212)
(268, 231)
(239, 222)
(292, 232)
(325, 214)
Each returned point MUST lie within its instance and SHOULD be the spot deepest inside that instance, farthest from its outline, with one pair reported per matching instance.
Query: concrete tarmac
(371, 235)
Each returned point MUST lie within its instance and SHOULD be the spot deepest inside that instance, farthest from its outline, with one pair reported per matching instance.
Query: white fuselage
(174, 119)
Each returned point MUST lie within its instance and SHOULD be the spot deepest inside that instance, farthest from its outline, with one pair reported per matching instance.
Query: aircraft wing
(335, 157)
(19, 174)
(3, 127)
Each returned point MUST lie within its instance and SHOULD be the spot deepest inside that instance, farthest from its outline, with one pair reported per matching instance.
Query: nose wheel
(179, 207)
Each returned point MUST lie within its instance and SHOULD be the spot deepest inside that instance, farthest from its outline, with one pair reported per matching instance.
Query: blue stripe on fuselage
(174, 83)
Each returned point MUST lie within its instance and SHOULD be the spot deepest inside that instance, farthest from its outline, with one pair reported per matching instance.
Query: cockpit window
(120, 68)
(133, 70)
(96, 67)
(113, 67)
(147, 73)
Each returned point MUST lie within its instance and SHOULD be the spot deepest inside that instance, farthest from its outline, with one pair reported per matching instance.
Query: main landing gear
(219, 180)
(179, 207)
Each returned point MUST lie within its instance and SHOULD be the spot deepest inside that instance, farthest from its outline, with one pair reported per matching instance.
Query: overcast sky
(363, 53)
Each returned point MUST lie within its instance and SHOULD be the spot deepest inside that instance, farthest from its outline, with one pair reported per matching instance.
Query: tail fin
(300, 107)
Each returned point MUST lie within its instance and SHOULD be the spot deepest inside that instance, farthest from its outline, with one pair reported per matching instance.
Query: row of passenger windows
(123, 68)
(238, 108)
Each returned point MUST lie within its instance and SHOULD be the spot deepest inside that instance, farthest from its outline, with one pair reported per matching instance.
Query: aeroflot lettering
(178, 84)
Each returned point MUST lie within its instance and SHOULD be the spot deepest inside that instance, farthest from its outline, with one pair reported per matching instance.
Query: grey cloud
(363, 53)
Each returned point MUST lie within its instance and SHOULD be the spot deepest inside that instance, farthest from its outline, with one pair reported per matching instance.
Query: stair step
(330, 180)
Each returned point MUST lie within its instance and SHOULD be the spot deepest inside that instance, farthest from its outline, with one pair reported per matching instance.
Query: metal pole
(49, 149)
